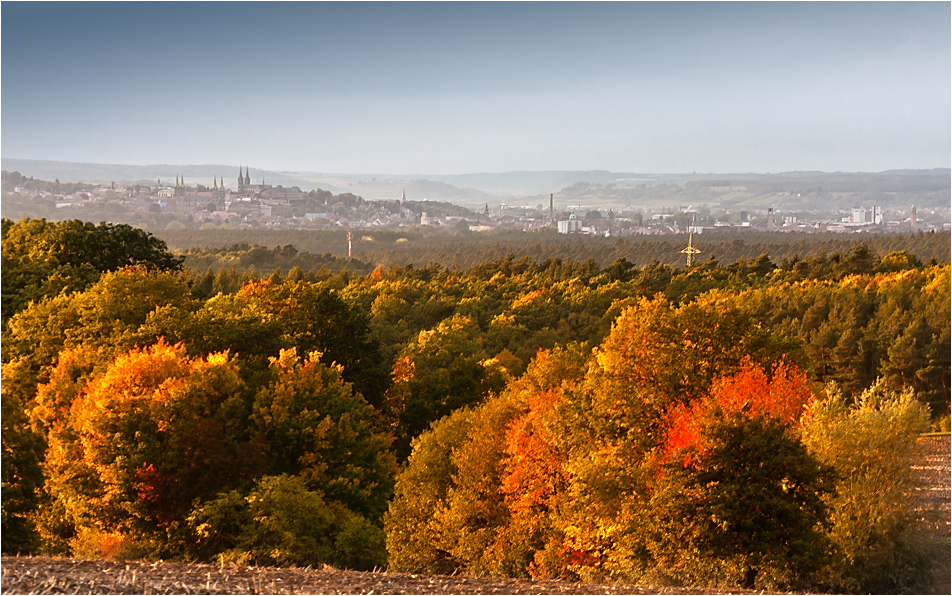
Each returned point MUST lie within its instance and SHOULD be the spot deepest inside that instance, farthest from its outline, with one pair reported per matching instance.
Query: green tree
(283, 523)
(751, 500)
(22, 477)
(414, 536)
(312, 317)
(108, 313)
(41, 258)
(316, 427)
(443, 370)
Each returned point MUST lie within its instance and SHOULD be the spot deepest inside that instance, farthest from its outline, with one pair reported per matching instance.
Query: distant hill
(789, 191)
(147, 174)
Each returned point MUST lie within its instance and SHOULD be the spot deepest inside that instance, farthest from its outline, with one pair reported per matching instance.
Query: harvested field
(933, 499)
(44, 575)
(934, 494)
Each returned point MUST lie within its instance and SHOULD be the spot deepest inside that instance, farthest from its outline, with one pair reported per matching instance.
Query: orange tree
(656, 358)
(737, 492)
(141, 441)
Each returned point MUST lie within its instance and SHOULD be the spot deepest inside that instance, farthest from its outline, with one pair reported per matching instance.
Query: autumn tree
(656, 358)
(144, 439)
(534, 479)
(317, 427)
(737, 491)
(871, 443)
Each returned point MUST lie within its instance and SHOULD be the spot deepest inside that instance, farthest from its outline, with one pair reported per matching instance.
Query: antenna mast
(690, 251)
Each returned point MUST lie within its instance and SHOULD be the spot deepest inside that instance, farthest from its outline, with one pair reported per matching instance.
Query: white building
(570, 226)
(857, 215)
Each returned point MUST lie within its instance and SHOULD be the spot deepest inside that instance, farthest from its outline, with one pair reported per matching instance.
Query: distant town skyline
(451, 88)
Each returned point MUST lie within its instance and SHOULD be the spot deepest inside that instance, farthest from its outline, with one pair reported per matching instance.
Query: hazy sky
(433, 88)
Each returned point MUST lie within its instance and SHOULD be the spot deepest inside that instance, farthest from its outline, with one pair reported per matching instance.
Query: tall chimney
(551, 207)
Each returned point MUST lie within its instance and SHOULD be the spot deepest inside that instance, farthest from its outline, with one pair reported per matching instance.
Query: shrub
(871, 445)
(282, 523)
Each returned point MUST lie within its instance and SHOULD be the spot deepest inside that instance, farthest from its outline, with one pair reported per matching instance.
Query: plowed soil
(43, 575)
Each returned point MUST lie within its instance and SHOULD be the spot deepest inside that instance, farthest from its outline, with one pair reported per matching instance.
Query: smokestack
(551, 207)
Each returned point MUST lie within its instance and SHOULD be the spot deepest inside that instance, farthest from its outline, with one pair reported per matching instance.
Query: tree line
(453, 249)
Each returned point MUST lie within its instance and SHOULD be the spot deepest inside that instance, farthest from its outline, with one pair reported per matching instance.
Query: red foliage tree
(782, 395)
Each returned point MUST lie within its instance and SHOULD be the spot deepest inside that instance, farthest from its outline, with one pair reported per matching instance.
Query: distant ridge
(103, 173)
(891, 187)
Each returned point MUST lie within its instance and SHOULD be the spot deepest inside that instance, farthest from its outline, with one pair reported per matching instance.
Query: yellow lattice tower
(690, 251)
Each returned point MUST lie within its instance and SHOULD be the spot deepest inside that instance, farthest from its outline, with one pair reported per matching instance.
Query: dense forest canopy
(523, 406)
(401, 248)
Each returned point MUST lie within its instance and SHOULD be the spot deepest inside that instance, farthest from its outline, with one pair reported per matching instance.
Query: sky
(452, 88)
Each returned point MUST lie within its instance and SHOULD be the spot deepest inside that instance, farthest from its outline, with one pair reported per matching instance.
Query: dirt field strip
(933, 497)
(43, 575)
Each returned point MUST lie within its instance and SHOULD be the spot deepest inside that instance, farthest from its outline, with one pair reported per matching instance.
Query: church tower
(247, 176)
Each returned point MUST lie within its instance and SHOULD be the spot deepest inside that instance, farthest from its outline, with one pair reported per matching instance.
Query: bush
(871, 445)
(282, 523)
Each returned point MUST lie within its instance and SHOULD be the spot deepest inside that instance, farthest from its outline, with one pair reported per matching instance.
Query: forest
(579, 413)
(466, 250)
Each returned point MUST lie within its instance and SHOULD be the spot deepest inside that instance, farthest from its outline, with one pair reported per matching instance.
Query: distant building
(275, 195)
(857, 215)
(570, 226)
